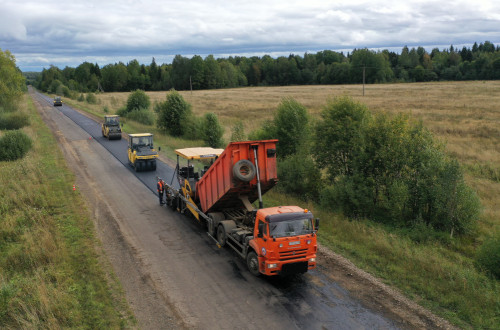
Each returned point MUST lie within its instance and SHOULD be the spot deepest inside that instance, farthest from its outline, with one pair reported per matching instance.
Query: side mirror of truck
(316, 224)
(261, 230)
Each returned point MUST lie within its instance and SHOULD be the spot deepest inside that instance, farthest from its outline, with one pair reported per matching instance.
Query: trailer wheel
(216, 217)
(244, 170)
(253, 263)
(221, 235)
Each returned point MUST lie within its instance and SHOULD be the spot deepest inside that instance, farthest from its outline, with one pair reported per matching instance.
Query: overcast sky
(66, 33)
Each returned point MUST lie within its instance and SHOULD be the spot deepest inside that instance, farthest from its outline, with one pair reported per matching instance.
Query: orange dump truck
(273, 241)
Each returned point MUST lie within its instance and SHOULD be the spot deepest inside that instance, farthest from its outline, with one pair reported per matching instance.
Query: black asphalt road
(215, 290)
(117, 148)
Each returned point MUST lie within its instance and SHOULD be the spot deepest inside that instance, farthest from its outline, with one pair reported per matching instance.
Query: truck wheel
(216, 217)
(253, 263)
(153, 167)
(244, 170)
(221, 235)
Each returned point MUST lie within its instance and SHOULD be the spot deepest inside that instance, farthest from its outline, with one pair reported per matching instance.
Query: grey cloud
(82, 30)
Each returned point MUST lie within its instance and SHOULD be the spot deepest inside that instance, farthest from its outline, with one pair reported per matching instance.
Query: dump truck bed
(219, 189)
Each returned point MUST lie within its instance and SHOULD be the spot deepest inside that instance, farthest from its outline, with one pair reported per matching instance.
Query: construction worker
(161, 189)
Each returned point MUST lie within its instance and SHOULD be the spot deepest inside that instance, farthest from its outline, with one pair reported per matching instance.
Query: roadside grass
(432, 274)
(438, 274)
(51, 275)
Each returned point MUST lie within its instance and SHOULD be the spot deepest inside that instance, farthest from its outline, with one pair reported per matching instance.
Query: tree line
(482, 62)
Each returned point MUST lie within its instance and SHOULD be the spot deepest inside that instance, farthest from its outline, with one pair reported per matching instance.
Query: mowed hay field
(465, 116)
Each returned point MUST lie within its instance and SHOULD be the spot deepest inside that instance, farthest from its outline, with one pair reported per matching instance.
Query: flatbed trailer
(274, 241)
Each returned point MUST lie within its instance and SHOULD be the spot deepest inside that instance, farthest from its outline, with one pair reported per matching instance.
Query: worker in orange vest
(161, 189)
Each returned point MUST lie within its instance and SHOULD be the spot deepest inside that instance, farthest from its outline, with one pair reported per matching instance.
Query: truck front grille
(293, 254)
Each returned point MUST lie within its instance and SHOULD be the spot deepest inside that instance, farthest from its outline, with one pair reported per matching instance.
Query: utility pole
(364, 71)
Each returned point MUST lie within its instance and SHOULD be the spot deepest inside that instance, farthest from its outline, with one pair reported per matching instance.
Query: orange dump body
(218, 189)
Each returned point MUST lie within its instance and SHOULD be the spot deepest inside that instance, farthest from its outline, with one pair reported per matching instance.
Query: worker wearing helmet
(161, 189)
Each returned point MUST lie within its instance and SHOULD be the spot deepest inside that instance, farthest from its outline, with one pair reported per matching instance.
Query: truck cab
(284, 241)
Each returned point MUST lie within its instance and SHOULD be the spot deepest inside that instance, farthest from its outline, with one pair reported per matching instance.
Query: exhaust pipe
(261, 204)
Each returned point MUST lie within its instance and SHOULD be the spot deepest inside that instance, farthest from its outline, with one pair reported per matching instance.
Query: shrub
(81, 98)
(238, 132)
(14, 120)
(105, 109)
(66, 92)
(193, 128)
(299, 176)
(340, 135)
(138, 100)
(291, 126)
(143, 116)
(122, 112)
(212, 130)
(174, 114)
(488, 255)
(265, 132)
(91, 98)
(391, 170)
(14, 145)
(12, 81)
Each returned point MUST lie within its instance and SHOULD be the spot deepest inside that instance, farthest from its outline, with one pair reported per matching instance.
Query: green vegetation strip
(50, 273)
(437, 276)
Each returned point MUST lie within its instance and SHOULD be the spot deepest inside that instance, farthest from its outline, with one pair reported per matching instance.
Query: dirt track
(175, 277)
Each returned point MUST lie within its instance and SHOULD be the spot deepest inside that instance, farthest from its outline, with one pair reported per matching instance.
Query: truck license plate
(294, 243)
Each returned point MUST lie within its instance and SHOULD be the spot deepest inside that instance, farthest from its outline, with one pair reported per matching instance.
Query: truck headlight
(271, 266)
(312, 259)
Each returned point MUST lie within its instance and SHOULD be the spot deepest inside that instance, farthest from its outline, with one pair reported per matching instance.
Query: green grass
(50, 273)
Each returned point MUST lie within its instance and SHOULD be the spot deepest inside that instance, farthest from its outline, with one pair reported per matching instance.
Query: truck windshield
(291, 228)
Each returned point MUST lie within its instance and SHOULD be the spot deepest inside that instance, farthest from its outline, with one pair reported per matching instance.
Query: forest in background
(481, 62)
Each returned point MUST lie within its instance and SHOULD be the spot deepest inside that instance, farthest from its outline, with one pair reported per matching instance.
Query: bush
(122, 112)
(238, 132)
(81, 98)
(14, 145)
(66, 92)
(391, 170)
(105, 109)
(488, 255)
(14, 120)
(299, 176)
(212, 131)
(143, 116)
(138, 100)
(291, 127)
(91, 98)
(174, 115)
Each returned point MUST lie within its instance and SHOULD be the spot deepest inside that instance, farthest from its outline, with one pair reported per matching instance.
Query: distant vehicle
(57, 101)
(111, 127)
